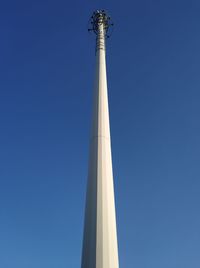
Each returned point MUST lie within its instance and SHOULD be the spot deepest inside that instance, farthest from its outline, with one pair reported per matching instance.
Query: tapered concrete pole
(100, 248)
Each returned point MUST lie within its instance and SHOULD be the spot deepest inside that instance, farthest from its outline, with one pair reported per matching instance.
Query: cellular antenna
(100, 249)
(98, 18)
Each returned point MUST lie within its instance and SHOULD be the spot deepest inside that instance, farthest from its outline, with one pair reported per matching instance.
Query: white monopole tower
(100, 248)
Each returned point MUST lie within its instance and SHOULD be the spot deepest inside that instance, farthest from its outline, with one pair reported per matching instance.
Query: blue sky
(46, 84)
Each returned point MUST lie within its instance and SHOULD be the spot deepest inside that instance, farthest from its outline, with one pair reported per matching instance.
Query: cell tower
(100, 249)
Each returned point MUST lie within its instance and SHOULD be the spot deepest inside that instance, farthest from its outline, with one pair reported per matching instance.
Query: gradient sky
(46, 84)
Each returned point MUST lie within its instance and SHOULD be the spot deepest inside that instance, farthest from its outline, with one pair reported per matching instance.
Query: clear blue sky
(46, 82)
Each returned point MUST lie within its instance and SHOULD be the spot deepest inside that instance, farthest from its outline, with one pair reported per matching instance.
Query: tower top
(98, 18)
